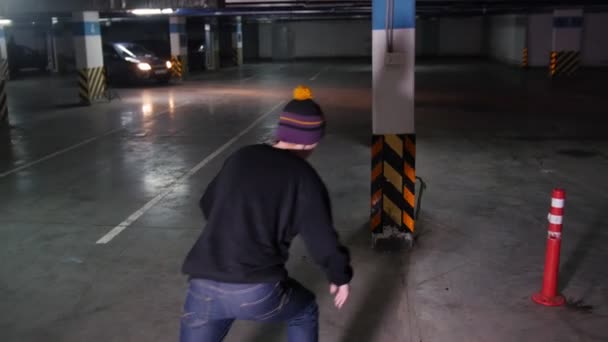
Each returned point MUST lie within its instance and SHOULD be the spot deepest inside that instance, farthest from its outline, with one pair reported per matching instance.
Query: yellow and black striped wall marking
(564, 63)
(524, 58)
(3, 103)
(91, 84)
(393, 193)
(177, 66)
(4, 72)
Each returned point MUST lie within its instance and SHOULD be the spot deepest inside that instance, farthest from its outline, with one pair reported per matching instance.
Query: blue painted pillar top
(404, 14)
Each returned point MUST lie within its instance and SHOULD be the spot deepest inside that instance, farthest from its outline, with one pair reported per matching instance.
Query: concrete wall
(348, 38)
(595, 39)
(264, 40)
(507, 38)
(311, 39)
(540, 31)
(460, 36)
(251, 44)
(427, 37)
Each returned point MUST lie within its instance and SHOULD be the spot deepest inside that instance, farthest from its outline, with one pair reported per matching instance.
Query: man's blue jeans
(211, 307)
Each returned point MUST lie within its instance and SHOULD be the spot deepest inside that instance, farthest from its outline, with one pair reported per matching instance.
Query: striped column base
(237, 56)
(91, 84)
(393, 183)
(3, 103)
(4, 71)
(179, 66)
(564, 63)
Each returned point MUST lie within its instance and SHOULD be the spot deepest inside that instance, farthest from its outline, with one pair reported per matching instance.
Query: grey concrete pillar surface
(566, 42)
(3, 79)
(51, 47)
(89, 56)
(212, 46)
(216, 44)
(237, 42)
(4, 71)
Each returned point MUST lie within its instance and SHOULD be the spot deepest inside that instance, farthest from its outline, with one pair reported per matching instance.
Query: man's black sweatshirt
(261, 199)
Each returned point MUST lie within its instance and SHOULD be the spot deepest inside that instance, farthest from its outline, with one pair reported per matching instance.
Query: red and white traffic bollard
(548, 295)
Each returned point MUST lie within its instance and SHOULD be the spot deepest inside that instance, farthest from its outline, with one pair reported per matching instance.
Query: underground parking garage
(448, 126)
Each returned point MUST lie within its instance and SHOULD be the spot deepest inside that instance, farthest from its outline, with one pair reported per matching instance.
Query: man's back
(250, 208)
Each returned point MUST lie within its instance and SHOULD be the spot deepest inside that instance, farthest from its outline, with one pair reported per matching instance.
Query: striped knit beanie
(302, 120)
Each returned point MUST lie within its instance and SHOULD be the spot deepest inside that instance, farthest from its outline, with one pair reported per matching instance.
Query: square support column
(393, 176)
(4, 71)
(89, 56)
(179, 46)
(237, 42)
(212, 45)
(565, 57)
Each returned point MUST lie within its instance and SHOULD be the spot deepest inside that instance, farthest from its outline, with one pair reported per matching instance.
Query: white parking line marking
(318, 74)
(140, 212)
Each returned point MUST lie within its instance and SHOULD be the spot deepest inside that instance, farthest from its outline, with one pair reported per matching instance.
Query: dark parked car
(132, 62)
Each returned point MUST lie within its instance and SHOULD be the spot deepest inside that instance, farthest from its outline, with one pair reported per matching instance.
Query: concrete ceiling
(11, 8)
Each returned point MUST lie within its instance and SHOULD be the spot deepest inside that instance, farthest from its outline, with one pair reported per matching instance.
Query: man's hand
(341, 293)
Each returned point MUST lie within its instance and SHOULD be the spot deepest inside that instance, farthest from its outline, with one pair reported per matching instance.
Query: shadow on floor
(6, 145)
(70, 105)
(376, 314)
(592, 238)
(381, 291)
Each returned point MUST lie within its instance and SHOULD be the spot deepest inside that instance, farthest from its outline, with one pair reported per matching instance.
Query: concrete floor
(492, 143)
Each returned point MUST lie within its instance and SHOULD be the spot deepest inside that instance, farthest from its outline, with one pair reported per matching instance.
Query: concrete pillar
(51, 47)
(212, 45)
(237, 42)
(216, 44)
(393, 143)
(89, 56)
(566, 43)
(179, 46)
(4, 72)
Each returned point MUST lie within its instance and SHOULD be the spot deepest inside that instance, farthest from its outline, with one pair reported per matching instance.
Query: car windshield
(132, 50)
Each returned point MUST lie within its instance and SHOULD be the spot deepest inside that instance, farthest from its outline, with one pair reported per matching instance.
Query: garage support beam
(237, 42)
(212, 45)
(566, 46)
(4, 72)
(3, 79)
(89, 56)
(51, 46)
(179, 46)
(394, 136)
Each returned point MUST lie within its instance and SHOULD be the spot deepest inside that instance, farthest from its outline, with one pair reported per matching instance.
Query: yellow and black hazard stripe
(4, 71)
(524, 58)
(564, 63)
(91, 84)
(3, 103)
(393, 180)
(177, 66)
(237, 56)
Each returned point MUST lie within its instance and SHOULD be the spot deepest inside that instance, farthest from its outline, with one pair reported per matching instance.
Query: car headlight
(168, 64)
(144, 67)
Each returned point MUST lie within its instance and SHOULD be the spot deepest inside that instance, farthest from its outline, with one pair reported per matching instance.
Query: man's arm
(313, 221)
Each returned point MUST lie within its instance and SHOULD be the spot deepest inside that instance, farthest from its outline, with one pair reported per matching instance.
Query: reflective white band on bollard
(555, 219)
(557, 202)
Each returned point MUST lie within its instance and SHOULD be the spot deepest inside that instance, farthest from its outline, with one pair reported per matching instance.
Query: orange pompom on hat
(302, 120)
